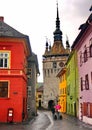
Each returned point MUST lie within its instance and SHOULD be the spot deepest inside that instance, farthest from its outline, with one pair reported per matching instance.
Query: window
(54, 65)
(85, 109)
(85, 55)
(91, 77)
(39, 96)
(81, 80)
(29, 71)
(68, 90)
(86, 82)
(88, 112)
(45, 72)
(4, 89)
(48, 72)
(90, 50)
(4, 60)
(90, 47)
(80, 58)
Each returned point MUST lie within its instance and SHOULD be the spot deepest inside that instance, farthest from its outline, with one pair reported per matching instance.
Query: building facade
(54, 59)
(14, 49)
(83, 46)
(39, 97)
(72, 85)
(32, 75)
(62, 90)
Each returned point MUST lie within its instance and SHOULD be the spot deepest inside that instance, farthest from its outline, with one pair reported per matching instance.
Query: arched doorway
(50, 104)
(39, 103)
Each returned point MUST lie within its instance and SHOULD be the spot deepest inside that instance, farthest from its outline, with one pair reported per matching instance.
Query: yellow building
(39, 97)
(62, 90)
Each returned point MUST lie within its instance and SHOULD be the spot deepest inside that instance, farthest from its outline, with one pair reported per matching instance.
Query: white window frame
(5, 59)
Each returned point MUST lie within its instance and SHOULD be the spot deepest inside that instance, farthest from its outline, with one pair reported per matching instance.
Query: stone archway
(50, 104)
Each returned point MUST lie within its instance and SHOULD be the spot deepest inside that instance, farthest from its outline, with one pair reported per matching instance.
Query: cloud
(75, 13)
(81, 7)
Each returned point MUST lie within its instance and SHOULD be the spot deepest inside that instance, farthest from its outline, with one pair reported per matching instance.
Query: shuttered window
(85, 113)
(91, 110)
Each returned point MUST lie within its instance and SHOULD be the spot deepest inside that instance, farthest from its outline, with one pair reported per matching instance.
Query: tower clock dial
(61, 64)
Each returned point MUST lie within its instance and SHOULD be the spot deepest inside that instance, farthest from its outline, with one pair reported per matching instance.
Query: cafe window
(3, 89)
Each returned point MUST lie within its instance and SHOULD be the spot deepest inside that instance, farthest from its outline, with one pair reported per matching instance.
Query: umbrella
(57, 107)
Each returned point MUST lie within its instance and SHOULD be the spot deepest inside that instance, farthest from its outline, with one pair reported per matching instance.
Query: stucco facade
(83, 45)
(14, 49)
(62, 90)
(72, 86)
(32, 76)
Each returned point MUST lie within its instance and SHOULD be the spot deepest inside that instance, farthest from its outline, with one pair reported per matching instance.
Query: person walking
(53, 109)
(57, 113)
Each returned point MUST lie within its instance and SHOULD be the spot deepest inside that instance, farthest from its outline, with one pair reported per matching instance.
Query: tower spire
(57, 19)
(58, 32)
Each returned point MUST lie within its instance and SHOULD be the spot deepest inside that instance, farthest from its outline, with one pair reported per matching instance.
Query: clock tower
(54, 58)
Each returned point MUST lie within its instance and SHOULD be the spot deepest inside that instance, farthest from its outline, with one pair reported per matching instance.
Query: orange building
(14, 49)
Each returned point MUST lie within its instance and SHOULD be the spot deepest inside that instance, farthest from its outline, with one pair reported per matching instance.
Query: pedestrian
(52, 109)
(57, 113)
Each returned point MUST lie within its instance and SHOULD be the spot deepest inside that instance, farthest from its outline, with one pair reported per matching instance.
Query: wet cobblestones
(44, 121)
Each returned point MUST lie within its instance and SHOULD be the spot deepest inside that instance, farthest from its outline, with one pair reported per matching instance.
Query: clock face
(61, 64)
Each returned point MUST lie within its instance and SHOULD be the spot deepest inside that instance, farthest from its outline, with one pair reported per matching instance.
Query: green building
(72, 85)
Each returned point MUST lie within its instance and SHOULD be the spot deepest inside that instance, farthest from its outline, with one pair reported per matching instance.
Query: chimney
(2, 18)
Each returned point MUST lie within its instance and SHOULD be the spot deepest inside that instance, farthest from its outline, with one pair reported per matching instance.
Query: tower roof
(57, 33)
(57, 48)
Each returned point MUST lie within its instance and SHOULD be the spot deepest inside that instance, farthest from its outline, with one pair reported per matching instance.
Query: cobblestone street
(44, 121)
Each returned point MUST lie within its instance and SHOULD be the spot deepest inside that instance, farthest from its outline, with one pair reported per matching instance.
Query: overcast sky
(36, 18)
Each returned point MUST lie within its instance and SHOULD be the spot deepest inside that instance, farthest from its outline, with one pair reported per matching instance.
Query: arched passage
(50, 104)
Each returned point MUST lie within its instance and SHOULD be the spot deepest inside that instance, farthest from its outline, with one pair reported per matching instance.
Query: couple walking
(55, 111)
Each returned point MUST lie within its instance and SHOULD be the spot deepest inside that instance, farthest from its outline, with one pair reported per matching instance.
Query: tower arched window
(54, 64)
(48, 72)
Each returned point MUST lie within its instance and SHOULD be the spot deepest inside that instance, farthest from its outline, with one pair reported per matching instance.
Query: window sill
(6, 98)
